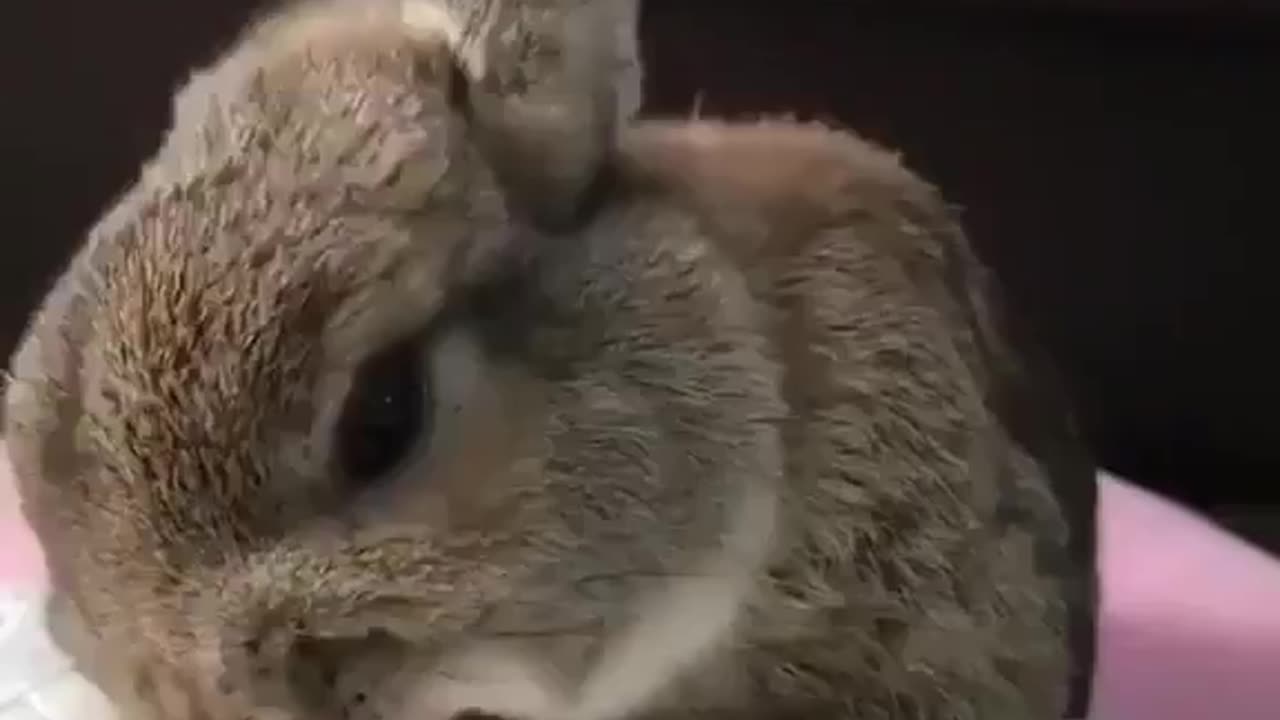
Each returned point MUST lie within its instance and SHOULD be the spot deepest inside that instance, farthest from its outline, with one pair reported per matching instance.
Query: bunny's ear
(548, 82)
(544, 49)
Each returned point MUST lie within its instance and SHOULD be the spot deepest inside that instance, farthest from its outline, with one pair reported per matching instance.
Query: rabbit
(385, 393)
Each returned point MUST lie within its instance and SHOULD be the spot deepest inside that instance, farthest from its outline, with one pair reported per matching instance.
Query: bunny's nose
(350, 678)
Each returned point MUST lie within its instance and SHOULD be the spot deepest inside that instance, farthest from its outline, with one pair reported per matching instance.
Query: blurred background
(1116, 161)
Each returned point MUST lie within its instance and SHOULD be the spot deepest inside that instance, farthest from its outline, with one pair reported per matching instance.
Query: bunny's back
(932, 468)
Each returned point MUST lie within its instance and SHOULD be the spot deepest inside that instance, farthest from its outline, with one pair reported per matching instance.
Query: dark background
(1116, 162)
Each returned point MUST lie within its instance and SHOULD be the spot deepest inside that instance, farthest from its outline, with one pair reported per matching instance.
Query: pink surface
(1191, 616)
(21, 562)
(1190, 626)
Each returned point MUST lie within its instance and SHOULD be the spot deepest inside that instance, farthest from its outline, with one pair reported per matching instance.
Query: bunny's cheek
(488, 452)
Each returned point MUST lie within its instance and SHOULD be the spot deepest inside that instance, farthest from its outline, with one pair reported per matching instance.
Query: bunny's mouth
(681, 628)
(487, 683)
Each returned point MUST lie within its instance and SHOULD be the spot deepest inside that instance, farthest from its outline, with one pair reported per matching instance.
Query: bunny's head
(344, 410)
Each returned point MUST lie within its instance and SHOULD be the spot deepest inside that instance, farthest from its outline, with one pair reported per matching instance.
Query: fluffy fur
(731, 430)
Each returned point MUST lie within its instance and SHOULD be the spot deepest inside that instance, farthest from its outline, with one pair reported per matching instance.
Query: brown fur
(732, 308)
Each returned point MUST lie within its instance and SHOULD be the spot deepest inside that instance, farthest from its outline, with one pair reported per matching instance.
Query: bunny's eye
(386, 411)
